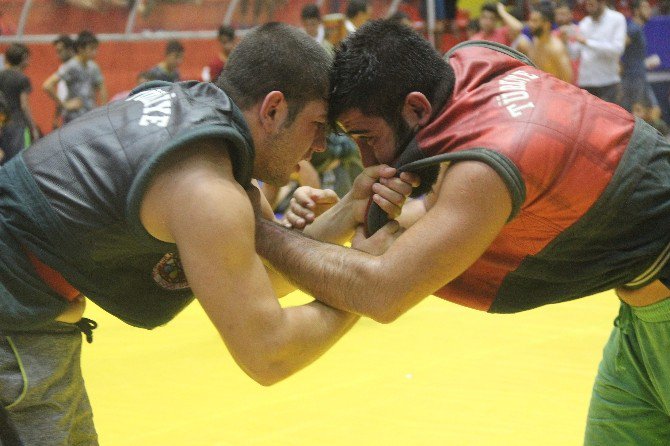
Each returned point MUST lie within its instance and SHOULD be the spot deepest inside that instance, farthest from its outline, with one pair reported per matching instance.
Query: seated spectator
(15, 86)
(226, 38)
(168, 69)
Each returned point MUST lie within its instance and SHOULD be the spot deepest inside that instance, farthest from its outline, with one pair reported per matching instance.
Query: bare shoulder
(556, 46)
(194, 178)
(472, 185)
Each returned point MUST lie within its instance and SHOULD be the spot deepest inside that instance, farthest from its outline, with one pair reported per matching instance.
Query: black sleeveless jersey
(73, 199)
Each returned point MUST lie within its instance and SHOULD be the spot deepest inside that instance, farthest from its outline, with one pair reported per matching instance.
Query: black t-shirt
(12, 84)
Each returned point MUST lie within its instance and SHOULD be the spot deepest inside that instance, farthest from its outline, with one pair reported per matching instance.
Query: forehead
(355, 122)
(536, 15)
(314, 110)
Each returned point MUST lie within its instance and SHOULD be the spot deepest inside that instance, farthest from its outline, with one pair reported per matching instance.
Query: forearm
(51, 92)
(102, 95)
(343, 278)
(336, 225)
(310, 330)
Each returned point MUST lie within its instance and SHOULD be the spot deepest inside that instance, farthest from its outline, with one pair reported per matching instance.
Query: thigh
(42, 387)
(626, 406)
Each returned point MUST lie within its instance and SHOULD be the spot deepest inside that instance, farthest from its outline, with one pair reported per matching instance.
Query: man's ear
(273, 111)
(416, 109)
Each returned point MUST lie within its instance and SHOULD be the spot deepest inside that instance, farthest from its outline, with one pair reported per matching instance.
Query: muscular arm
(472, 206)
(49, 86)
(563, 64)
(197, 204)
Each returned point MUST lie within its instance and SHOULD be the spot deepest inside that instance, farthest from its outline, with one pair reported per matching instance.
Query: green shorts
(42, 389)
(630, 404)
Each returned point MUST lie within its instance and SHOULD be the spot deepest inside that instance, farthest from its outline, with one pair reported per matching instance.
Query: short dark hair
(84, 39)
(490, 7)
(356, 6)
(310, 11)
(276, 56)
(226, 31)
(368, 76)
(174, 46)
(546, 10)
(65, 40)
(16, 54)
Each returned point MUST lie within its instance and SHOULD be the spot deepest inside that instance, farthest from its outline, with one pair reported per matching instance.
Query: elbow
(388, 309)
(267, 370)
(386, 316)
(265, 379)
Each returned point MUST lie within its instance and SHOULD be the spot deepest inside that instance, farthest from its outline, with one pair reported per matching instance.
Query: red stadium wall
(120, 63)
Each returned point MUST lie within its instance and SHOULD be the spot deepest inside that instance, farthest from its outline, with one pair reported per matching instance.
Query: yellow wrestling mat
(440, 375)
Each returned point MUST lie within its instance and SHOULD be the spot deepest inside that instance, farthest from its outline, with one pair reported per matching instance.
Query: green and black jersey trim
(503, 166)
(495, 46)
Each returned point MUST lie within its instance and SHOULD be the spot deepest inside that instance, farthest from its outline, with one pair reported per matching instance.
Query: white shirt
(605, 43)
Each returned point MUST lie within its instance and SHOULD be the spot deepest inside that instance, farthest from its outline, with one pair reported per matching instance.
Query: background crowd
(597, 45)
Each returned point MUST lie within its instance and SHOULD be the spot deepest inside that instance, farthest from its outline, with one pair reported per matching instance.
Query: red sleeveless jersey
(557, 148)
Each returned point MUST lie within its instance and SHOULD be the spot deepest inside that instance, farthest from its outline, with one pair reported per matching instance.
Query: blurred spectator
(445, 15)
(259, 8)
(643, 109)
(567, 30)
(15, 86)
(144, 76)
(168, 69)
(335, 31)
(358, 12)
(548, 51)
(339, 164)
(226, 38)
(473, 29)
(4, 118)
(634, 84)
(508, 34)
(85, 83)
(64, 47)
(310, 19)
(335, 169)
(602, 38)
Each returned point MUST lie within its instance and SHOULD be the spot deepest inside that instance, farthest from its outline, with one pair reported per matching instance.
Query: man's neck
(544, 38)
(597, 15)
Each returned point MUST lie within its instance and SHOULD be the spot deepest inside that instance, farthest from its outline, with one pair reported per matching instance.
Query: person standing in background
(168, 69)
(358, 12)
(548, 51)
(602, 39)
(21, 130)
(64, 47)
(84, 80)
(310, 19)
(634, 85)
(226, 38)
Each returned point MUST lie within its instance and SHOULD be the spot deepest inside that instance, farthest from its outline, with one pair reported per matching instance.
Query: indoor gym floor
(440, 375)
